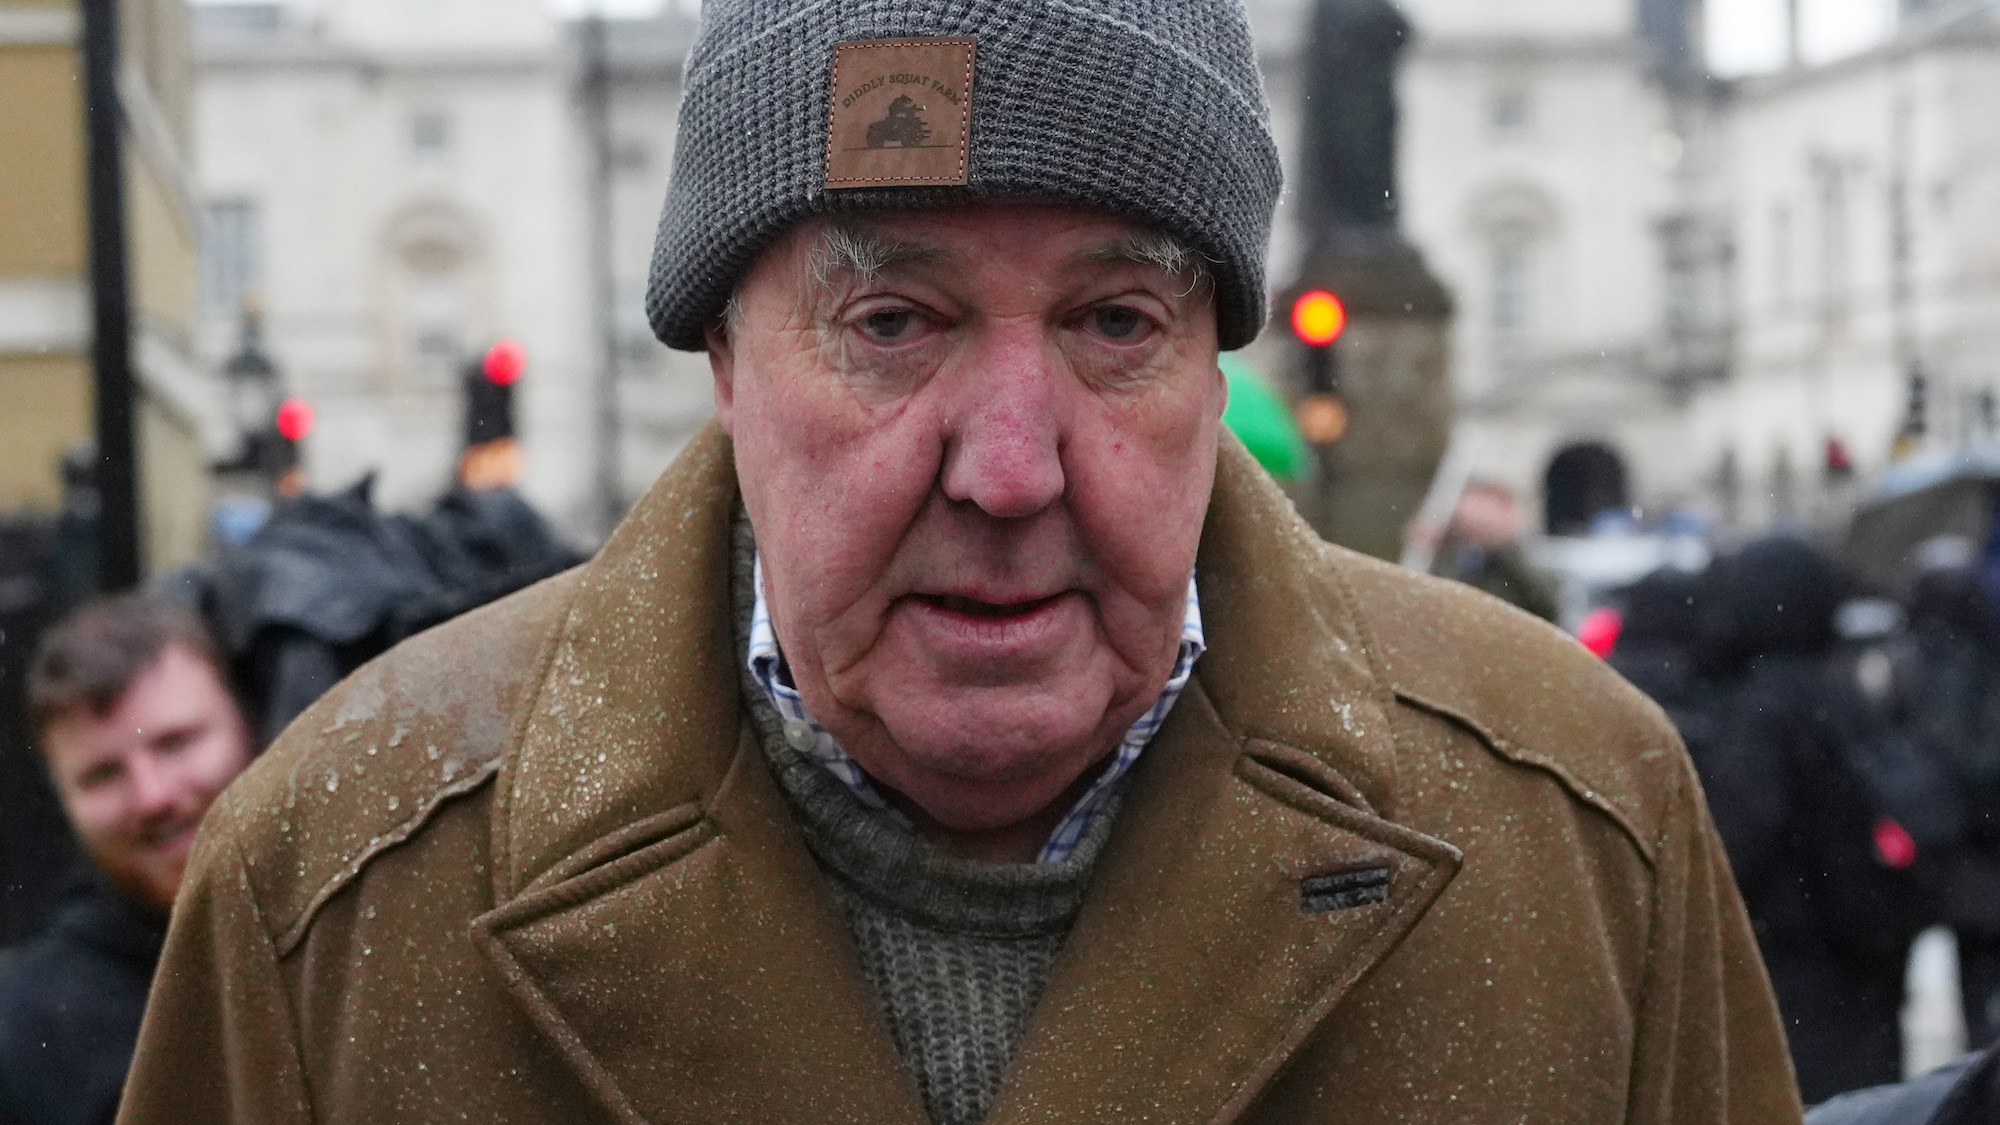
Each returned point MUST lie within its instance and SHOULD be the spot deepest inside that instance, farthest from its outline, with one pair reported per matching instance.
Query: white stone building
(398, 183)
(1551, 174)
(1713, 280)
(1866, 230)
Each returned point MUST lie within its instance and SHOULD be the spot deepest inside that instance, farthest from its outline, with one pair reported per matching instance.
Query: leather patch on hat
(900, 114)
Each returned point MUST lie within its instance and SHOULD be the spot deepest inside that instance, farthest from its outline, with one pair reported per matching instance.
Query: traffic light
(492, 457)
(504, 363)
(489, 393)
(1318, 319)
(294, 419)
(1916, 418)
(273, 450)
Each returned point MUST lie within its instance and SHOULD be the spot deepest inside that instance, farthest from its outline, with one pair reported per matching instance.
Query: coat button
(799, 735)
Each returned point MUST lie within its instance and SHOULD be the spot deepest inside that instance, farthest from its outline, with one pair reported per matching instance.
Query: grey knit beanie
(1151, 109)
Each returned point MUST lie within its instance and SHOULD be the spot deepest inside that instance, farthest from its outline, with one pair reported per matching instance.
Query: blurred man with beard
(140, 733)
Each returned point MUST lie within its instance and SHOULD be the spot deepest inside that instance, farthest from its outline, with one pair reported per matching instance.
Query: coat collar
(662, 923)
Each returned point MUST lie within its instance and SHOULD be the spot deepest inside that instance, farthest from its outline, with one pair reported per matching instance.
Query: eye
(1118, 322)
(99, 775)
(889, 326)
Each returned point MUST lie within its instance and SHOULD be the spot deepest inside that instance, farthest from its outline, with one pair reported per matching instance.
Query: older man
(964, 729)
(140, 733)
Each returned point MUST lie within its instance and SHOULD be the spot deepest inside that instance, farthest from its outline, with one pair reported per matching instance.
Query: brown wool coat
(531, 866)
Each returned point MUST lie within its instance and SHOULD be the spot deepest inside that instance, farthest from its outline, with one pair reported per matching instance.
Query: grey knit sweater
(958, 951)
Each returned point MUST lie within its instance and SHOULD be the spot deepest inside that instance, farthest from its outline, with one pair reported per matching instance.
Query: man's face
(1487, 516)
(136, 781)
(978, 467)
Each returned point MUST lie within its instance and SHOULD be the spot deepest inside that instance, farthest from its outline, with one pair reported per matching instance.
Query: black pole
(110, 302)
(597, 116)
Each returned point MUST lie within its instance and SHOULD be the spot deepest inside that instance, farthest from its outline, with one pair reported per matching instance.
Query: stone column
(1393, 360)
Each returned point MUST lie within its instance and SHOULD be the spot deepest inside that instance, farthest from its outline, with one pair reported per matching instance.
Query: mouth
(995, 634)
(171, 839)
(974, 607)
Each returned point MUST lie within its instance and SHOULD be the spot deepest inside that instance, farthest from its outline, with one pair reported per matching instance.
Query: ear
(722, 365)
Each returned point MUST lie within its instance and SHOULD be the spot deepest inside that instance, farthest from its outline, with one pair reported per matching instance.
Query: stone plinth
(1394, 377)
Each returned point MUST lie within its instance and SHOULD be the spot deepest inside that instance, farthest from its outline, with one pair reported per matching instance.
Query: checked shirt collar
(805, 735)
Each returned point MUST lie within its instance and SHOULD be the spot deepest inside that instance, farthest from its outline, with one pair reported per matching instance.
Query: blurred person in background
(1831, 819)
(1656, 651)
(1944, 686)
(140, 733)
(1482, 548)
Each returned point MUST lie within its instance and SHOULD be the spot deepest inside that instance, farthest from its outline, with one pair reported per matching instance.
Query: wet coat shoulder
(1525, 688)
(368, 765)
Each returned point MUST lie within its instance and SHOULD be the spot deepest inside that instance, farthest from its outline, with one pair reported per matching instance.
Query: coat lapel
(659, 919)
(1255, 875)
(1237, 903)
(701, 972)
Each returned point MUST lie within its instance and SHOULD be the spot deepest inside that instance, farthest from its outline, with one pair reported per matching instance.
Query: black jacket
(1964, 1092)
(70, 1004)
(1948, 679)
(330, 582)
(1818, 799)
(1656, 652)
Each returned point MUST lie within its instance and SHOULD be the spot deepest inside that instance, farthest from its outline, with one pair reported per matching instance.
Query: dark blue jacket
(70, 1003)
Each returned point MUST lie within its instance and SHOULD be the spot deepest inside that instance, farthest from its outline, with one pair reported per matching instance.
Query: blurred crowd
(1850, 749)
(1848, 739)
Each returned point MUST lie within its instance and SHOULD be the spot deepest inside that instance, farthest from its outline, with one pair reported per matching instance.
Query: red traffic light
(1600, 630)
(1895, 848)
(1318, 318)
(504, 363)
(295, 418)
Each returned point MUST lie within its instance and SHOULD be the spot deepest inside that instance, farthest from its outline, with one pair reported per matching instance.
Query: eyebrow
(862, 253)
(851, 249)
(1161, 251)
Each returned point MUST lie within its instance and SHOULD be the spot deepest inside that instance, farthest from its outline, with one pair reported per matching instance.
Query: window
(430, 133)
(1833, 243)
(1683, 257)
(1507, 115)
(1781, 254)
(231, 269)
(237, 18)
(632, 157)
(1684, 305)
(436, 325)
(1510, 289)
(432, 313)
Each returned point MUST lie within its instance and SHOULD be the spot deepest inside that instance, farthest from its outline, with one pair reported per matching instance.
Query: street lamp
(252, 380)
(269, 426)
